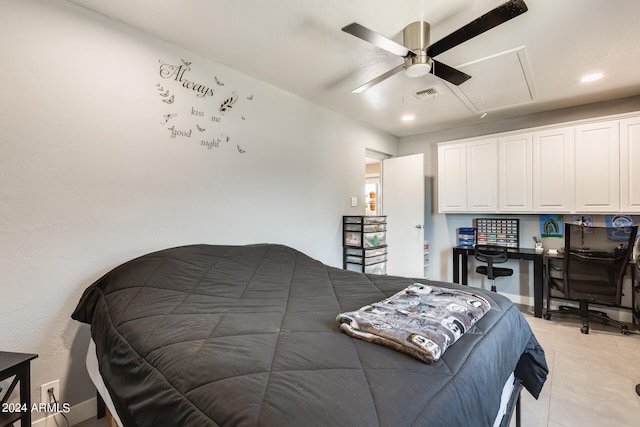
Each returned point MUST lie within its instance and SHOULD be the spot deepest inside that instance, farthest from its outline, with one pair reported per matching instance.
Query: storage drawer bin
(367, 253)
(366, 260)
(353, 227)
(466, 237)
(375, 219)
(368, 228)
(353, 238)
(380, 268)
(365, 243)
(371, 240)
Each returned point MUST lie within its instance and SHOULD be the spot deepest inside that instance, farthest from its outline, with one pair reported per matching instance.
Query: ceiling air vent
(427, 93)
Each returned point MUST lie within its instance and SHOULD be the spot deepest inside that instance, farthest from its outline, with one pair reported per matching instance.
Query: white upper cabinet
(467, 176)
(482, 177)
(597, 154)
(587, 167)
(515, 163)
(630, 165)
(452, 177)
(553, 170)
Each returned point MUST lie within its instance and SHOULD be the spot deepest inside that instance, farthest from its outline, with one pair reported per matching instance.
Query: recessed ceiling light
(408, 117)
(591, 78)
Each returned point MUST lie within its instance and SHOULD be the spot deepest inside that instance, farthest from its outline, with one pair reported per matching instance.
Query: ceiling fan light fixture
(418, 70)
(418, 66)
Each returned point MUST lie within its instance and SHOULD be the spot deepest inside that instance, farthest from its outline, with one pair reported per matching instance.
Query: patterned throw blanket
(421, 320)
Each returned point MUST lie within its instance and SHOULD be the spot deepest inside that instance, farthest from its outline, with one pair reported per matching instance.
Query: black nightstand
(18, 365)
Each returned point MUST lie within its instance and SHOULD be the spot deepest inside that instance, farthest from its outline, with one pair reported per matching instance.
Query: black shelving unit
(365, 244)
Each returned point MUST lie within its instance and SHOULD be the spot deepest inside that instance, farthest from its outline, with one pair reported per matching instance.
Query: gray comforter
(207, 335)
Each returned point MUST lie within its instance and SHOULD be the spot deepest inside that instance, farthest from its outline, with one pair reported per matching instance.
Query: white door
(403, 204)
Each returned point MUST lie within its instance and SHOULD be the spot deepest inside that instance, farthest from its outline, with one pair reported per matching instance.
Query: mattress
(208, 335)
(96, 378)
(98, 382)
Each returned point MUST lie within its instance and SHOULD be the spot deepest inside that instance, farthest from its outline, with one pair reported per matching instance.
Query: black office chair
(594, 265)
(492, 254)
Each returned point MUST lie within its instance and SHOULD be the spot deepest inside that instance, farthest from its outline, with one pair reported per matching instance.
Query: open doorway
(373, 187)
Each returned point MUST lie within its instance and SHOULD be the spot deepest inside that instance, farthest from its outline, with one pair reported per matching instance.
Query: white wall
(89, 177)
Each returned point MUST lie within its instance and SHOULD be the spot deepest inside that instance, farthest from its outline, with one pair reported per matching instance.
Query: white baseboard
(77, 414)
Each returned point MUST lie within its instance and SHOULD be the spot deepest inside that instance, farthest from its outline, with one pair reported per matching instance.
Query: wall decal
(210, 136)
(176, 132)
(168, 117)
(227, 104)
(177, 72)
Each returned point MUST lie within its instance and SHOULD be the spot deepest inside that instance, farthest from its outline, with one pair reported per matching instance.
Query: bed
(212, 335)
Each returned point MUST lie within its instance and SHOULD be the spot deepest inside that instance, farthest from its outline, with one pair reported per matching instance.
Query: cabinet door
(452, 177)
(630, 165)
(482, 175)
(553, 182)
(515, 163)
(597, 154)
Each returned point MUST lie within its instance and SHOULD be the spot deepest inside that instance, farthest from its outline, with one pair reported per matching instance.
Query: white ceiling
(530, 64)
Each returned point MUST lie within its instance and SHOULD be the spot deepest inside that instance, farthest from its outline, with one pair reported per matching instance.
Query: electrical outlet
(44, 391)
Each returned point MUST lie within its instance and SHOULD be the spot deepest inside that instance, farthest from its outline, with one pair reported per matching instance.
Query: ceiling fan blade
(489, 20)
(378, 79)
(448, 73)
(379, 40)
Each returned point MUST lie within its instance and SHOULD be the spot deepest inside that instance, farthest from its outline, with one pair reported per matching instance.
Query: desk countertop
(516, 251)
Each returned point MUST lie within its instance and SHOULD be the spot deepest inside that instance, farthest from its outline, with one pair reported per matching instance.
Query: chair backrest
(596, 261)
(491, 254)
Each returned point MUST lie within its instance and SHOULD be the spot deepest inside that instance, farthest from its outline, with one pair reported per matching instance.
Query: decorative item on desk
(466, 237)
(538, 244)
(498, 231)
(620, 251)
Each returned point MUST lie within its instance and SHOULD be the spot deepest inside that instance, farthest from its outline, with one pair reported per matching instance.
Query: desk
(18, 365)
(521, 254)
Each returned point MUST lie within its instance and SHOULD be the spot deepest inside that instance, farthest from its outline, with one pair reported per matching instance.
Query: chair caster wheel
(547, 316)
(584, 329)
(624, 330)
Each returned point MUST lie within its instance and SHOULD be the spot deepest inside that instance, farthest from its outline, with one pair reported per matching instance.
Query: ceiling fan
(418, 54)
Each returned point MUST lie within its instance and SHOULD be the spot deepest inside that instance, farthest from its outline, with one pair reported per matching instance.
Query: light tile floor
(591, 382)
(592, 377)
